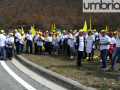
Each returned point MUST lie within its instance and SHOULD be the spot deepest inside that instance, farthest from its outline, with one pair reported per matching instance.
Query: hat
(81, 30)
(70, 30)
(53, 30)
(72, 38)
(22, 32)
(11, 34)
(15, 30)
(103, 31)
(75, 30)
(2, 31)
(46, 31)
(39, 32)
(58, 32)
(29, 30)
(94, 30)
(63, 30)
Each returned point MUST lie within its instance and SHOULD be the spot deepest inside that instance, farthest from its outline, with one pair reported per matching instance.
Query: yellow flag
(54, 26)
(22, 30)
(85, 26)
(106, 28)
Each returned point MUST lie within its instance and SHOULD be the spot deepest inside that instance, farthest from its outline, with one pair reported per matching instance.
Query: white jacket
(2, 40)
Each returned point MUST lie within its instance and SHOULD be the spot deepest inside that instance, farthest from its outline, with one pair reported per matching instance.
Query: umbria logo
(101, 5)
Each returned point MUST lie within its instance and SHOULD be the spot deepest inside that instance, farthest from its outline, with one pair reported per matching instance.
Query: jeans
(71, 51)
(29, 43)
(2, 52)
(119, 57)
(116, 52)
(21, 46)
(96, 43)
(104, 57)
(38, 49)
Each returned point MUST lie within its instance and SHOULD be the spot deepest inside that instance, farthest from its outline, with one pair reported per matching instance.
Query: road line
(21, 81)
(50, 84)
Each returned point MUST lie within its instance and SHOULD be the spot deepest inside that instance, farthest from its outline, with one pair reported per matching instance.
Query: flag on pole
(106, 28)
(85, 26)
(54, 26)
(90, 24)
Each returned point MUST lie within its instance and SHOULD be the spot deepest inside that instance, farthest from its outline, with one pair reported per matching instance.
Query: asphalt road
(15, 76)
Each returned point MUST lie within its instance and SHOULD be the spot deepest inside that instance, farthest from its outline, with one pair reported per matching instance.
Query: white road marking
(50, 84)
(21, 81)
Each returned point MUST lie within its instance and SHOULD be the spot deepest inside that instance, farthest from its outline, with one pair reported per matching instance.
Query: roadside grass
(90, 73)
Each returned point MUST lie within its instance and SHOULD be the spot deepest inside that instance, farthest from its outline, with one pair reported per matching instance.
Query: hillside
(66, 14)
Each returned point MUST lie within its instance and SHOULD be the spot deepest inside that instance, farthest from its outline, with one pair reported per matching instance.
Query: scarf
(90, 36)
(71, 42)
(56, 38)
(46, 37)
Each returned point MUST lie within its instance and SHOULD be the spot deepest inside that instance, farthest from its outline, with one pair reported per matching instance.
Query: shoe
(104, 68)
(10, 58)
(88, 60)
(45, 53)
(111, 69)
(79, 67)
(71, 57)
(6, 59)
(118, 71)
(101, 67)
(117, 61)
(56, 53)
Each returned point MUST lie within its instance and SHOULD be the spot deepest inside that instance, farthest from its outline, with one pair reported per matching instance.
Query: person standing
(112, 45)
(104, 46)
(63, 42)
(35, 41)
(79, 45)
(29, 38)
(2, 44)
(40, 40)
(18, 38)
(90, 40)
(9, 46)
(116, 51)
(22, 42)
(96, 38)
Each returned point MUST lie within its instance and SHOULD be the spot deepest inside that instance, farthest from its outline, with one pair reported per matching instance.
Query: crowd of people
(77, 42)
